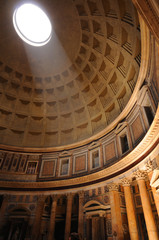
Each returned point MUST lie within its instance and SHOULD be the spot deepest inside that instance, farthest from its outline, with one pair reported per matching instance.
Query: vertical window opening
(149, 114)
(124, 144)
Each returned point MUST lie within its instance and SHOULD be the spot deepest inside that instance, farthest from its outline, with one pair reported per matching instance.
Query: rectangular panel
(137, 129)
(48, 168)
(80, 162)
(110, 151)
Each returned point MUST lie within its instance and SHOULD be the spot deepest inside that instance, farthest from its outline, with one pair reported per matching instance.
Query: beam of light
(32, 24)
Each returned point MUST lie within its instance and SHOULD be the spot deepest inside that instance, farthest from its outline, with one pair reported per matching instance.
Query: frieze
(149, 166)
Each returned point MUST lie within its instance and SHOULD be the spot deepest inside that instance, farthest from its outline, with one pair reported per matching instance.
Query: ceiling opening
(32, 24)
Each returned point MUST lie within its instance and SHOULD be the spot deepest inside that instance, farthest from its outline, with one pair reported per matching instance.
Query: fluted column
(146, 205)
(115, 211)
(38, 216)
(150, 171)
(130, 209)
(3, 209)
(80, 214)
(68, 216)
(52, 217)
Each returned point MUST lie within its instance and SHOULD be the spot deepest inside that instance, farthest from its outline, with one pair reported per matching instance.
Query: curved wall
(115, 150)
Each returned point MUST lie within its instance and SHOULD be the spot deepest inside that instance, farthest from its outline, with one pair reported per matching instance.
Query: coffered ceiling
(77, 84)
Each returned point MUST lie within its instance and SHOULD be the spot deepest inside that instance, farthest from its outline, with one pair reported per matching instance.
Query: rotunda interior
(79, 123)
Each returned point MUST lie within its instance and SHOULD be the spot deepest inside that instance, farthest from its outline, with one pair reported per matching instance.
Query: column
(52, 217)
(130, 209)
(95, 228)
(84, 226)
(115, 211)
(151, 172)
(38, 216)
(3, 209)
(89, 227)
(80, 214)
(68, 216)
(146, 205)
(102, 226)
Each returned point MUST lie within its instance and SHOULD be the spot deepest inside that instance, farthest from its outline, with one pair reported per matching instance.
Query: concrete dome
(76, 85)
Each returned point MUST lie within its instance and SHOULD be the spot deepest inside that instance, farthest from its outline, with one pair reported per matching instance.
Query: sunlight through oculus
(32, 24)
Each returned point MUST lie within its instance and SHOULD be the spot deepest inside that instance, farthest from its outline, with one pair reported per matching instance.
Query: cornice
(150, 12)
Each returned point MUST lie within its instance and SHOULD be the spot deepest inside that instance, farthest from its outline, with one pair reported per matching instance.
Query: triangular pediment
(64, 154)
(94, 145)
(120, 126)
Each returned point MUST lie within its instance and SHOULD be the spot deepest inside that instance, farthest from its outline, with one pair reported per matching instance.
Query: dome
(74, 87)
(79, 122)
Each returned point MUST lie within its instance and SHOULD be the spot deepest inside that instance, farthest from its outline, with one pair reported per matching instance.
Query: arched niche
(18, 223)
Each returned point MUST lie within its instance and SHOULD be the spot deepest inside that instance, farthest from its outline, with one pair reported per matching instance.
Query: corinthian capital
(81, 194)
(41, 198)
(54, 197)
(149, 166)
(126, 182)
(69, 195)
(139, 175)
(113, 187)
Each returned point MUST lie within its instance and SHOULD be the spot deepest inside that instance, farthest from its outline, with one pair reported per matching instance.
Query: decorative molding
(69, 195)
(94, 145)
(65, 154)
(142, 150)
(55, 197)
(105, 145)
(113, 187)
(149, 12)
(139, 175)
(126, 182)
(41, 198)
(41, 175)
(120, 127)
(155, 179)
(85, 153)
(149, 166)
(81, 194)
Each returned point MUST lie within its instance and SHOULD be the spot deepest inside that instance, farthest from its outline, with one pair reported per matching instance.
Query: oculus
(32, 24)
